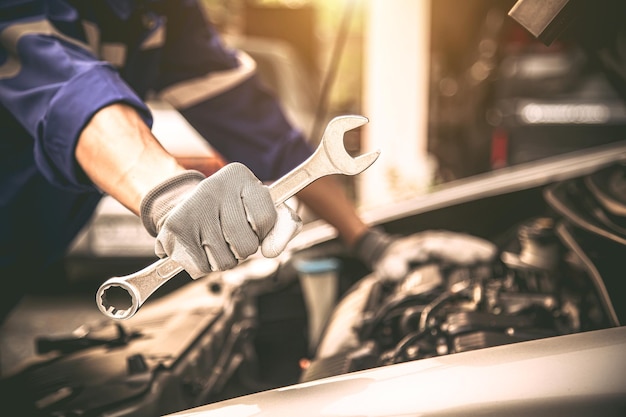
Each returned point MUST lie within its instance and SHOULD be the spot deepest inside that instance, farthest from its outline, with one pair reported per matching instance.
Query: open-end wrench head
(333, 145)
(362, 162)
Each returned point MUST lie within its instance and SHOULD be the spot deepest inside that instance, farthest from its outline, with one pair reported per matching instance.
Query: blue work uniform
(62, 61)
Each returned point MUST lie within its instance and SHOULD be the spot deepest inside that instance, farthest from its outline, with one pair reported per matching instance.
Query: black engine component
(181, 352)
(535, 289)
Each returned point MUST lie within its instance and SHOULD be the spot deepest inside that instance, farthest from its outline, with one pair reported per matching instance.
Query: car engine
(536, 288)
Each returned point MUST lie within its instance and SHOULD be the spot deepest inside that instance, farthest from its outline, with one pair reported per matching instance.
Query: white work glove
(391, 257)
(210, 224)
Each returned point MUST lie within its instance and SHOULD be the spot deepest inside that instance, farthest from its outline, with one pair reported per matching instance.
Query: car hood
(574, 374)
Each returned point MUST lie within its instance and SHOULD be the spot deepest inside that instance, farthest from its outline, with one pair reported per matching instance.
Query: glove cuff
(158, 202)
(371, 245)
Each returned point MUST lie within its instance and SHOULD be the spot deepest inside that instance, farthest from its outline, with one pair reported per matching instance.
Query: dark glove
(390, 257)
(210, 224)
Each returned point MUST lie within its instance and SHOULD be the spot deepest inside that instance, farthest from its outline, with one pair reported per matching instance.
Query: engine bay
(537, 288)
(248, 329)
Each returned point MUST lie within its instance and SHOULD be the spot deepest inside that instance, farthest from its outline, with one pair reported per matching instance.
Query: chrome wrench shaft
(121, 297)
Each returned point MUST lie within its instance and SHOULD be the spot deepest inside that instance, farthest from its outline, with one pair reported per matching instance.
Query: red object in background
(499, 148)
(208, 165)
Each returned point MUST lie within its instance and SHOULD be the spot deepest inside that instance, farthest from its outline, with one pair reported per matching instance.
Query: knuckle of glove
(259, 208)
(220, 256)
(287, 225)
(257, 202)
(240, 239)
(190, 256)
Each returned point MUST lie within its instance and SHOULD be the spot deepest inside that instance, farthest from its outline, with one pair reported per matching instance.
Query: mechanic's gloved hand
(209, 224)
(390, 257)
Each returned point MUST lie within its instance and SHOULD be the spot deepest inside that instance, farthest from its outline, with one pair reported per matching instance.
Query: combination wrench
(121, 297)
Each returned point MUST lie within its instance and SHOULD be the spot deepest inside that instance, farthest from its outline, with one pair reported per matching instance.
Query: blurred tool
(546, 19)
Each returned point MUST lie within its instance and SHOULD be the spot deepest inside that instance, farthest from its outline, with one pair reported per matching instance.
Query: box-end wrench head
(121, 297)
(330, 157)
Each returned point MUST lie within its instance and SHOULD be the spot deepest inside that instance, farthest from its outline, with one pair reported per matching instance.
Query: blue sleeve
(245, 123)
(52, 84)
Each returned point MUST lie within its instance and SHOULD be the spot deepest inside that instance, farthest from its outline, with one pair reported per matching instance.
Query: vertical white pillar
(395, 94)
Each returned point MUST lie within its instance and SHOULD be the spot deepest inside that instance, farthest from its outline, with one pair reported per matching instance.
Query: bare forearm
(326, 198)
(120, 155)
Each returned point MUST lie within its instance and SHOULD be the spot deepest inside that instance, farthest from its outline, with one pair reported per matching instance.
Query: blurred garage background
(452, 89)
